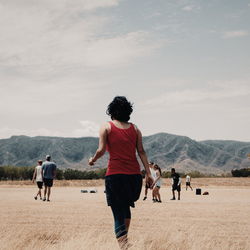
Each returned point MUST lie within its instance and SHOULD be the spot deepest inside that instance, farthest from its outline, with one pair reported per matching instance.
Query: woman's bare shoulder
(106, 126)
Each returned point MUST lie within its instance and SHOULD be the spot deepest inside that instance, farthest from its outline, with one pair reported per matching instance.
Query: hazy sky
(185, 64)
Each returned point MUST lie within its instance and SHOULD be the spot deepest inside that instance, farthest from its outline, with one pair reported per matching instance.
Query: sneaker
(159, 201)
(44, 199)
(35, 198)
(48, 200)
(178, 199)
(172, 199)
(145, 198)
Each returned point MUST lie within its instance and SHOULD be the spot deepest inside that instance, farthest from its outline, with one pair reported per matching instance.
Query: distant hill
(167, 150)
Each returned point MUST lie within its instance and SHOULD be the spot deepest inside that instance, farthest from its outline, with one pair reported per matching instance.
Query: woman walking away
(39, 179)
(123, 181)
(157, 184)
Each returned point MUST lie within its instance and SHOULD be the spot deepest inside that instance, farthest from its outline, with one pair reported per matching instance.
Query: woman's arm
(102, 144)
(143, 157)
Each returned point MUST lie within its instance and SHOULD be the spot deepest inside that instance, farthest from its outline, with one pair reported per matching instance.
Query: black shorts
(39, 184)
(48, 182)
(176, 187)
(188, 183)
(123, 189)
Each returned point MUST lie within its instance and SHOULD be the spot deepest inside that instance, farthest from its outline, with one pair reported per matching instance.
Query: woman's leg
(158, 194)
(122, 216)
(127, 214)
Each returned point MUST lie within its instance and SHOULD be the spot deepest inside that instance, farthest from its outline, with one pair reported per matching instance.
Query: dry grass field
(74, 220)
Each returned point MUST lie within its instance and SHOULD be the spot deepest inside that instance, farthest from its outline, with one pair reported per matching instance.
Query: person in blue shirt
(48, 174)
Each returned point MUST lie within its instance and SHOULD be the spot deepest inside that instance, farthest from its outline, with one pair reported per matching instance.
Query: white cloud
(89, 128)
(7, 132)
(235, 33)
(52, 35)
(215, 91)
(120, 49)
(188, 8)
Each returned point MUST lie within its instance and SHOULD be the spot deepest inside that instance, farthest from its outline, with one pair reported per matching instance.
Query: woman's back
(121, 145)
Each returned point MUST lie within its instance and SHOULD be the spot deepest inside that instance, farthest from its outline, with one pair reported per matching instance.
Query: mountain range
(168, 150)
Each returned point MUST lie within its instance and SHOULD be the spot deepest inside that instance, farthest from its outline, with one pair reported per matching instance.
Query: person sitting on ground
(152, 171)
(188, 182)
(38, 177)
(157, 184)
(123, 181)
(48, 174)
(176, 184)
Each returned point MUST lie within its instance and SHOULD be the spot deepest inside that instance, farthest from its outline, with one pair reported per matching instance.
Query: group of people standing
(44, 174)
(155, 171)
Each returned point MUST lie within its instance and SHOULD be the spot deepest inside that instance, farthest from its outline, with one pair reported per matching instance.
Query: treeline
(26, 173)
(244, 172)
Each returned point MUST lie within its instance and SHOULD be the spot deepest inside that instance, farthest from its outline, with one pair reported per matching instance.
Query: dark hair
(120, 109)
(157, 167)
(172, 169)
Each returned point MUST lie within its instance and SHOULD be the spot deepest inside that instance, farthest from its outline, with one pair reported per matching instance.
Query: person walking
(37, 175)
(176, 184)
(157, 184)
(48, 174)
(123, 180)
(147, 187)
(188, 182)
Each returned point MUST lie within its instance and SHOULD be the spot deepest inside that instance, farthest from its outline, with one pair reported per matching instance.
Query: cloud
(50, 36)
(235, 33)
(120, 49)
(188, 8)
(89, 128)
(214, 92)
(7, 132)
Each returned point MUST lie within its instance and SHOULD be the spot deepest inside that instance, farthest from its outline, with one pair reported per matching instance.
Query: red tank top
(121, 145)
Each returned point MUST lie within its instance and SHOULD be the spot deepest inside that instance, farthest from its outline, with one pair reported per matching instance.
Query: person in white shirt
(157, 184)
(188, 182)
(152, 171)
(39, 179)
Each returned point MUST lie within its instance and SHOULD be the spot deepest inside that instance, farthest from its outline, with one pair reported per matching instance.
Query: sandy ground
(73, 220)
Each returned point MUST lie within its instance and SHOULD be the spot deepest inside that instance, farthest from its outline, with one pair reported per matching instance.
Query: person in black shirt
(176, 183)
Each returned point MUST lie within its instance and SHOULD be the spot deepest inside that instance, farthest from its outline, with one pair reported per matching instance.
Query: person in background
(157, 184)
(38, 177)
(176, 184)
(152, 171)
(188, 182)
(123, 181)
(48, 174)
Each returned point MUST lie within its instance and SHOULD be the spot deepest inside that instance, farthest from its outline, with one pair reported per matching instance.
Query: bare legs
(47, 190)
(156, 194)
(39, 193)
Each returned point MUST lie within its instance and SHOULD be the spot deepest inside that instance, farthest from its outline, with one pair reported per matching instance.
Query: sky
(184, 64)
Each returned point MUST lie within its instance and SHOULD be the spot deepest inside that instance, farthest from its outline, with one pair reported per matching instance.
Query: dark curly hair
(120, 109)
